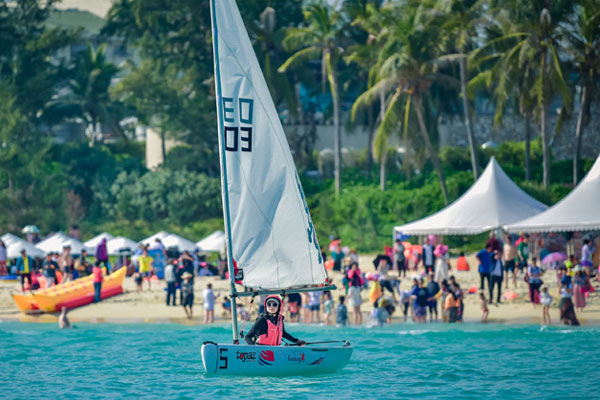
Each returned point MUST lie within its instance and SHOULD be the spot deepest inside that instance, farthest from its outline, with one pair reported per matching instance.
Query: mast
(224, 188)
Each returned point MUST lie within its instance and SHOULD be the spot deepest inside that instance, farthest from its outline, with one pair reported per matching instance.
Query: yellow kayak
(71, 294)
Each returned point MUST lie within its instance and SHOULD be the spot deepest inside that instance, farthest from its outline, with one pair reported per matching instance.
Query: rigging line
(248, 316)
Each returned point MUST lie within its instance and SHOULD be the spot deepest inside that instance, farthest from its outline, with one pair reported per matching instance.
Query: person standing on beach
(50, 266)
(171, 280)
(580, 284)
(327, 307)
(3, 269)
(586, 256)
(315, 306)
(400, 258)
(102, 254)
(523, 251)
(546, 300)
(65, 262)
(567, 312)
(433, 289)
(534, 276)
(98, 278)
(145, 265)
(421, 298)
(209, 302)
(485, 267)
(25, 266)
(509, 256)
(493, 242)
(496, 276)
(187, 288)
(484, 308)
(428, 256)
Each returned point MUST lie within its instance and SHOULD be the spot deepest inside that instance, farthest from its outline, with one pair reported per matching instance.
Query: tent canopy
(93, 242)
(492, 202)
(14, 249)
(578, 211)
(181, 243)
(213, 242)
(59, 240)
(150, 240)
(119, 243)
(9, 238)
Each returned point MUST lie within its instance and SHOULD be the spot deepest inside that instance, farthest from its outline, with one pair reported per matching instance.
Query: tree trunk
(578, 136)
(163, 147)
(545, 146)
(527, 148)
(383, 150)
(371, 133)
(468, 120)
(434, 157)
(337, 139)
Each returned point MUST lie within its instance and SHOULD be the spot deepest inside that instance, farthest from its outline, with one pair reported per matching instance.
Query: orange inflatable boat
(71, 294)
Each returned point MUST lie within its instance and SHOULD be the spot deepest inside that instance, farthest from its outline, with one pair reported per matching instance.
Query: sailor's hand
(300, 342)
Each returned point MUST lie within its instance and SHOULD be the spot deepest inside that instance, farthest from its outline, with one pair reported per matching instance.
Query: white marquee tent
(213, 242)
(14, 248)
(93, 242)
(9, 238)
(578, 211)
(57, 241)
(181, 243)
(492, 202)
(120, 243)
(150, 240)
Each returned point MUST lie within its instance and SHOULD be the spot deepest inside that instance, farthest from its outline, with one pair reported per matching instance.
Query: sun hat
(186, 275)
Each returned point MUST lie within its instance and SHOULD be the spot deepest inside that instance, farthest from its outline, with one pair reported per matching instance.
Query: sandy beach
(149, 306)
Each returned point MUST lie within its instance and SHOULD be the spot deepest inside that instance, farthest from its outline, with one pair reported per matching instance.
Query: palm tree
(584, 41)
(321, 39)
(459, 20)
(409, 68)
(531, 41)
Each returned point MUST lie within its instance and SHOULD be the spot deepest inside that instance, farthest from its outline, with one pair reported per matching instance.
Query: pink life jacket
(273, 335)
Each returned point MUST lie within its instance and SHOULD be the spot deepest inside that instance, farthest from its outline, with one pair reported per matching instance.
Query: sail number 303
(238, 117)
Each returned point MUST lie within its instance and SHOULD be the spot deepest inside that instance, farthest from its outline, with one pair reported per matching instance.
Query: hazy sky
(98, 7)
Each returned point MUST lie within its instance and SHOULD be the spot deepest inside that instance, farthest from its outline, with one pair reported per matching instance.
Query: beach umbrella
(557, 256)
(380, 257)
(14, 250)
(181, 243)
(31, 229)
(95, 241)
(213, 242)
(120, 243)
(150, 240)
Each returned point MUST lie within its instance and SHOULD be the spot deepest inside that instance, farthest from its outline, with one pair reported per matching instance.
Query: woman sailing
(268, 329)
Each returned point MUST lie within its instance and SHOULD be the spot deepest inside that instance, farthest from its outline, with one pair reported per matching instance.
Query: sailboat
(272, 245)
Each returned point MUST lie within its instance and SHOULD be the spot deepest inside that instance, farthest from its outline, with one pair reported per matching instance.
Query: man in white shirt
(428, 257)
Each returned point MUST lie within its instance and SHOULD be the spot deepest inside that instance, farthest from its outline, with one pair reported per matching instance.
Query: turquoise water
(162, 361)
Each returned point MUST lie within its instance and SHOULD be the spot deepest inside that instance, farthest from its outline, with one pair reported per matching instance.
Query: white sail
(270, 232)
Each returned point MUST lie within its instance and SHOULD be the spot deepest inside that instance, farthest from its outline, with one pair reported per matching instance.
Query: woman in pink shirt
(98, 278)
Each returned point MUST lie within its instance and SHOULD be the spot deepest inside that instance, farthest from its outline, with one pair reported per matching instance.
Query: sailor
(268, 329)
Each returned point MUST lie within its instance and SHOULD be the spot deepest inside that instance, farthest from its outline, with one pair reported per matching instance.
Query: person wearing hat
(65, 262)
(187, 290)
(25, 266)
(269, 328)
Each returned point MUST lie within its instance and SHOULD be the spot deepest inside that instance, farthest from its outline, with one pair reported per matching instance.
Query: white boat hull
(242, 359)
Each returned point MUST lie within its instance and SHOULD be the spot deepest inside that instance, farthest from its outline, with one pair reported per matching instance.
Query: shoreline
(149, 306)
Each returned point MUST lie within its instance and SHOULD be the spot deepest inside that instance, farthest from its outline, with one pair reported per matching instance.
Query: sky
(98, 7)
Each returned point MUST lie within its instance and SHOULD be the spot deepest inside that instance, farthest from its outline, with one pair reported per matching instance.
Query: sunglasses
(272, 304)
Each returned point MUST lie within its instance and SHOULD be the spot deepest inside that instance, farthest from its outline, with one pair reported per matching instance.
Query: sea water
(162, 361)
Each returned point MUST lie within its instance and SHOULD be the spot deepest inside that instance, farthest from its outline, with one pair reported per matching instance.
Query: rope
(280, 318)
(248, 316)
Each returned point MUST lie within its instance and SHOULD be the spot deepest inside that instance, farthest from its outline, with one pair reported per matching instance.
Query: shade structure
(59, 240)
(9, 238)
(14, 249)
(181, 243)
(120, 243)
(95, 241)
(492, 202)
(578, 211)
(213, 242)
(150, 240)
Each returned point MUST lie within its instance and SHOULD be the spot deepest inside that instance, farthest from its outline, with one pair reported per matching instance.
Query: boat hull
(231, 359)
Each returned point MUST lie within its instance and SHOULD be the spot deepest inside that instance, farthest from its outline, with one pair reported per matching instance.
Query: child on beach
(209, 304)
(187, 288)
(138, 278)
(327, 308)
(546, 300)
(484, 307)
(341, 313)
